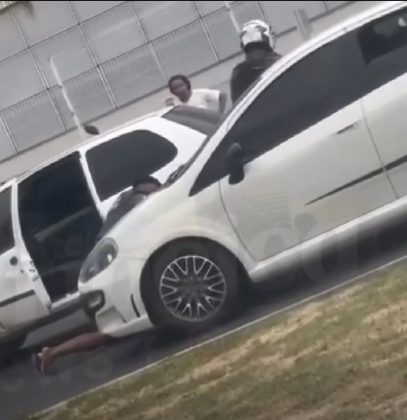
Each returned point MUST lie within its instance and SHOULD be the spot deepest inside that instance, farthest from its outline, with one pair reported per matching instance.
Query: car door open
(23, 298)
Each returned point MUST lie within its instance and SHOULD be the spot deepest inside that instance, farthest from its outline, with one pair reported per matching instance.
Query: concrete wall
(217, 75)
(110, 54)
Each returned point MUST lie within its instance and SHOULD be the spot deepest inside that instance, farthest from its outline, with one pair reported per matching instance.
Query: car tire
(192, 285)
(9, 349)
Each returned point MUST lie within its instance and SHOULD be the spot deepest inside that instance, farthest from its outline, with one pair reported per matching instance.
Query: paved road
(24, 391)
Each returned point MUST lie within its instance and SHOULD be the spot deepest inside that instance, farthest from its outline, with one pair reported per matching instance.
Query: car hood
(158, 209)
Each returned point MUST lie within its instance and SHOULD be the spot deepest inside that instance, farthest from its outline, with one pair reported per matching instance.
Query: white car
(50, 217)
(312, 156)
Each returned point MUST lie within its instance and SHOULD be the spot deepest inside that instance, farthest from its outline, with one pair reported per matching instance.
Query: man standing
(180, 86)
(257, 42)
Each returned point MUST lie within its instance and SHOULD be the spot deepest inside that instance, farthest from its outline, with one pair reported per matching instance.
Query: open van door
(23, 298)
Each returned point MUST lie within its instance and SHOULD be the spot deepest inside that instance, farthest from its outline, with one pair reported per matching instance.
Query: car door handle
(347, 128)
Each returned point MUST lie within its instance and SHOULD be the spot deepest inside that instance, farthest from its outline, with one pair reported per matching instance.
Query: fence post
(232, 17)
(303, 23)
(65, 95)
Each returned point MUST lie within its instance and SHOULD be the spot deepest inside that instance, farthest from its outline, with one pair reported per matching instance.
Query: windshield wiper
(174, 175)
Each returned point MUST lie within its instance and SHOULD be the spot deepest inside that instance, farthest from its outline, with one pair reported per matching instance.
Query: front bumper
(115, 298)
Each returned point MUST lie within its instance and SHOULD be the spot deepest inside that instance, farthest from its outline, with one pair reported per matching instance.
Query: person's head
(256, 35)
(180, 86)
(146, 185)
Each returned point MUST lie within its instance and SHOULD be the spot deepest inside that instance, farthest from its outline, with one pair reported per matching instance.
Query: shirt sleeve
(212, 96)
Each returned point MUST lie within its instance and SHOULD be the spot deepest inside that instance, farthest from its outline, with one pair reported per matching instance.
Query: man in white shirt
(180, 87)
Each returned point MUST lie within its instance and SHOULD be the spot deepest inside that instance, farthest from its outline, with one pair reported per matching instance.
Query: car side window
(117, 163)
(383, 43)
(6, 227)
(312, 89)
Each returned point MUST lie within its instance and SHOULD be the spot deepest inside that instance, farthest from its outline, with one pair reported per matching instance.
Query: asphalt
(23, 391)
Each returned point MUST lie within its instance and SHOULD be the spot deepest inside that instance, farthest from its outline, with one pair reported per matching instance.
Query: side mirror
(169, 101)
(235, 163)
(91, 129)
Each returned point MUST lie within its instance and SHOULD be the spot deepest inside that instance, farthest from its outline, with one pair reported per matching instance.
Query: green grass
(341, 358)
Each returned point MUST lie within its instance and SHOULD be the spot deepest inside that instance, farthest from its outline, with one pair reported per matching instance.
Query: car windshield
(198, 118)
(181, 169)
(202, 120)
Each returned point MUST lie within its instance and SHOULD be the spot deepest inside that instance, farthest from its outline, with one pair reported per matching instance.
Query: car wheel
(193, 285)
(9, 349)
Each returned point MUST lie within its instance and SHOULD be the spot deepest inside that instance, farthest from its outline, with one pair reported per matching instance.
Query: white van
(51, 216)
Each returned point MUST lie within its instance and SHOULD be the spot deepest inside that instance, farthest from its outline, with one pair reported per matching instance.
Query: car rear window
(199, 119)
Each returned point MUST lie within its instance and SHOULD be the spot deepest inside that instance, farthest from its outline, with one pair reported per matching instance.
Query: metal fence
(112, 53)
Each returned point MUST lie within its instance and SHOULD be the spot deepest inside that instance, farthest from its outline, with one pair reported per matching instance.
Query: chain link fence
(122, 54)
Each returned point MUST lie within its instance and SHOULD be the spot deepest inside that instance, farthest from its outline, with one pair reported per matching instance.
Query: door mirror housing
(91, 129)
(235, 163)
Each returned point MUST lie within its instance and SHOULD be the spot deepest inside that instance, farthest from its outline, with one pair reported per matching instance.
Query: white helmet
(256, 31)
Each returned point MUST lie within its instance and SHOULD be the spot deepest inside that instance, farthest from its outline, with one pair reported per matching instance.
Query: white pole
(303, 23)
(74, 115)
(232, 17)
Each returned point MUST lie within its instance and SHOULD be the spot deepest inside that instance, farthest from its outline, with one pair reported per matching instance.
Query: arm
(234, 86)
(222, 102)
(215, 99)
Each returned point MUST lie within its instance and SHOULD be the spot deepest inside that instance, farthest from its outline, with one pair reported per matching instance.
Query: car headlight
(99, 259)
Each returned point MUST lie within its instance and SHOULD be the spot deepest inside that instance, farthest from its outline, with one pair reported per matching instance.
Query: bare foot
(45, 358)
